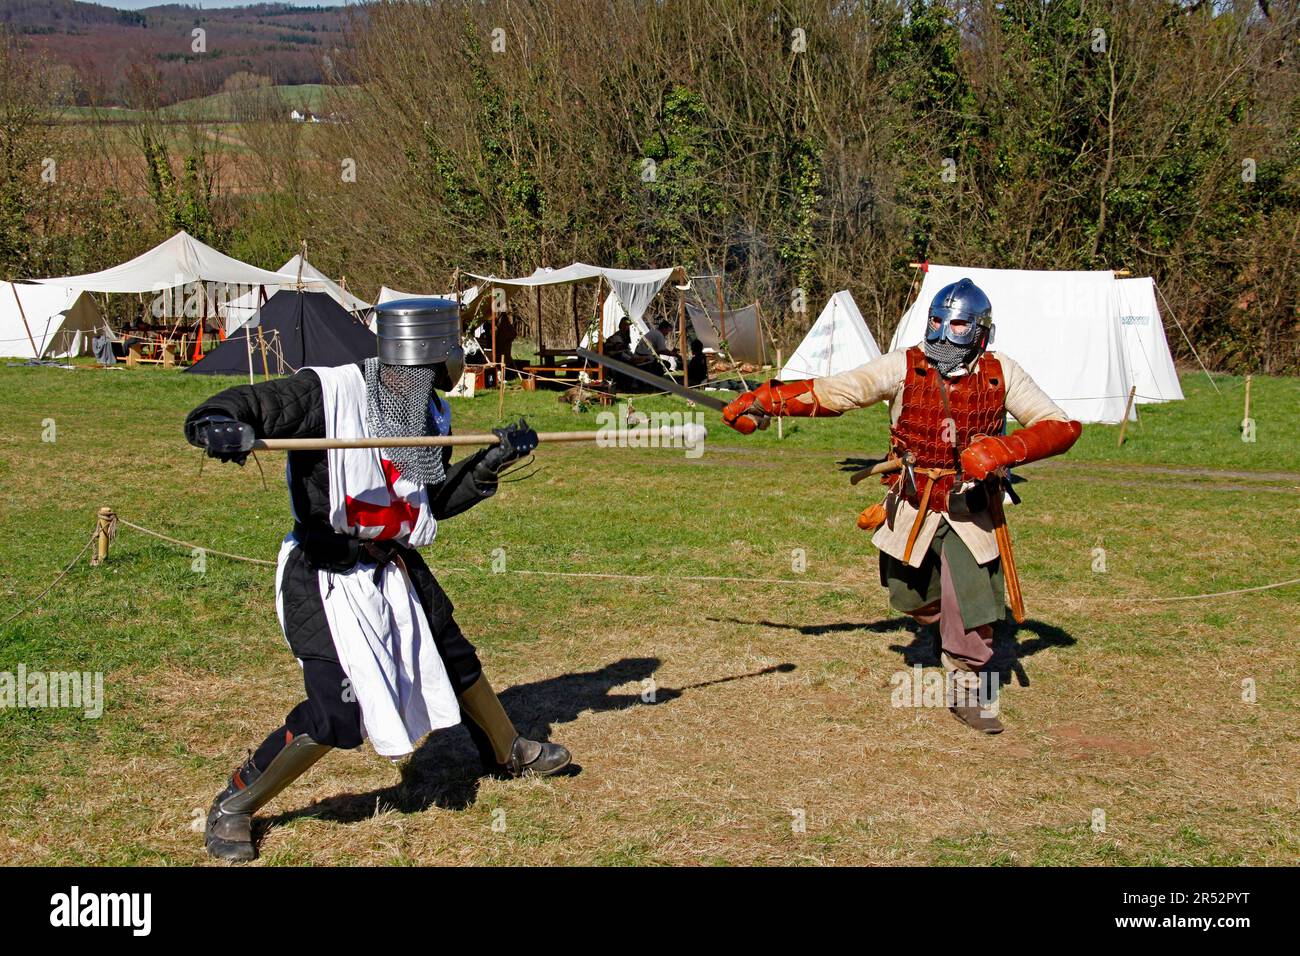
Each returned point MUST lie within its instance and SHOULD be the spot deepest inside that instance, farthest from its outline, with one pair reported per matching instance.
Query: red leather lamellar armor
(977, 403)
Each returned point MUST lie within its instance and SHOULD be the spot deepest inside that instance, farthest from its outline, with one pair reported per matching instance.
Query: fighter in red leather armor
(944, 546)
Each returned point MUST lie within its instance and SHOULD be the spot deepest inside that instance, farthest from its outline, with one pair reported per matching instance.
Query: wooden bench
(167, 357)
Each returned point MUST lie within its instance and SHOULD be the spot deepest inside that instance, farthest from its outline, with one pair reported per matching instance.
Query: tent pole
(600, 322)
(248, 342)
(722, 311)
(302, 257)
(681, 337)
(36, 355)
(780, 432)
(600, 326)
(573, 307)
(493, 315)
(538, 290)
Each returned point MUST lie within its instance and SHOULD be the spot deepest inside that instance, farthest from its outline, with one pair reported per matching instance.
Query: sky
(211, 4)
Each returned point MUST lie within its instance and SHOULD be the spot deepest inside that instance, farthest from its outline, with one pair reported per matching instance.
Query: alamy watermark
(74, 690)
(919, 687)
(614, 429)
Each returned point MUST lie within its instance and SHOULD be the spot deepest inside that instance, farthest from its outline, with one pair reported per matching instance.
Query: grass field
(202, 109)
(772, 700)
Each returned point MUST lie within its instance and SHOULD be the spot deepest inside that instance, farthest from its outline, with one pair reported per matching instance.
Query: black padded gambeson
(294, 408)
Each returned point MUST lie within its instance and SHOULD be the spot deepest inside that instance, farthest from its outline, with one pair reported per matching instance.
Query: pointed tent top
(174, 262)
(299, 270)
(837, 342)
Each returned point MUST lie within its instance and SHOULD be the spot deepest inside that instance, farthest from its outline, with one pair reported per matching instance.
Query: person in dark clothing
(381, 653)
(697, 370)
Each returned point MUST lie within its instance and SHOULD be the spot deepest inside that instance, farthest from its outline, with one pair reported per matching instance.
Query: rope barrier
(873, 588)
(62, 574)
(613, 576)
(724, 579)
(194, 547)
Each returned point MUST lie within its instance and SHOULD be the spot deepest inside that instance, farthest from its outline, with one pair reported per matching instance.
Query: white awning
(178, 261)
(635, 288)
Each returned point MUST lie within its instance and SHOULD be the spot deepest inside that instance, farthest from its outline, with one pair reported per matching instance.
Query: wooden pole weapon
(631, 438)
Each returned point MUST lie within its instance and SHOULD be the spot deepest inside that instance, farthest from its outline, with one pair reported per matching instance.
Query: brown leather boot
(966, 706)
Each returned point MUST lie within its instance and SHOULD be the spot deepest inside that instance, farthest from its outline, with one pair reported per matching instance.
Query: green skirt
(980, 589)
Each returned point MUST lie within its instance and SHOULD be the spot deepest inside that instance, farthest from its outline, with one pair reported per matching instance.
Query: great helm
(423, 331)
(966, 301)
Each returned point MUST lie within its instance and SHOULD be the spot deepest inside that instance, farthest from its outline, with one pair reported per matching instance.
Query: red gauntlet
(1043, 440)
(752, 409)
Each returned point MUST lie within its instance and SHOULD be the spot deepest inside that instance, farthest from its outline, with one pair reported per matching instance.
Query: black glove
(517, 441)
(225, 438)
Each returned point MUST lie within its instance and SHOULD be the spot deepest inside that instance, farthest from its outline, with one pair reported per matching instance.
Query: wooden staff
(1000, 530)
(632, 438)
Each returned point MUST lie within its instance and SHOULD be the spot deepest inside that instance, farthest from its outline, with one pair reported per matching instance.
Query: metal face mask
(960, 314)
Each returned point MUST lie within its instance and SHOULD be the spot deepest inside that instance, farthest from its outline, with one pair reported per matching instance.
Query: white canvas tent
(739, 327)
(60, 322)
(611, 314)
(635, 289)
(838, 341)
(392, 295)
(1151, 365)
(1062, 327)
(242, 308)
(178, 261)
(187, 277)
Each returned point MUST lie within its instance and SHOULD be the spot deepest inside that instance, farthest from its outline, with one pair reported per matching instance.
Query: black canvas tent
(297, 329)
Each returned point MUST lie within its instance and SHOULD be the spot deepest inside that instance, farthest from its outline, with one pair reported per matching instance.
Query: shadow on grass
(445, 769)
(1009, 647)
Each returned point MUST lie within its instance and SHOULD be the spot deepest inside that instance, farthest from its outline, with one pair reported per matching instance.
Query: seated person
(506, 335)
(697, 369)
(619, 345)
(654, 344)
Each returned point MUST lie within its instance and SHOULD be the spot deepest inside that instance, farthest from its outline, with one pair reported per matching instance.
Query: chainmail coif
(397, 406)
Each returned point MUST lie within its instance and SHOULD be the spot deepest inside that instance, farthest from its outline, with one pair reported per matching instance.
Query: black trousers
(331, 713)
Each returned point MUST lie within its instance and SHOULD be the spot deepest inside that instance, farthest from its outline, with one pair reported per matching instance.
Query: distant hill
(107, 57)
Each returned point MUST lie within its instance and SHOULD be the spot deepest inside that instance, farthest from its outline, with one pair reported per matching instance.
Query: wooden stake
(1246, 414)
(1123, 426)
(780, 432)
(261, 341)
(103, 524)
(501, 389)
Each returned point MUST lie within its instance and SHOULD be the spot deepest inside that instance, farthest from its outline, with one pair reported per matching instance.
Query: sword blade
(649, 378)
